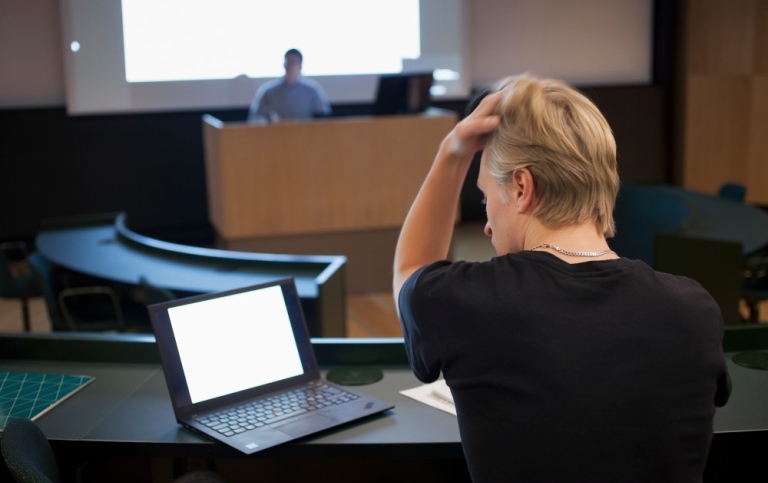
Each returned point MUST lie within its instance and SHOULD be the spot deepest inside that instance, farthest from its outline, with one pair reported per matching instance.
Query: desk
(126, 411)
(643, 211)
(104, 247)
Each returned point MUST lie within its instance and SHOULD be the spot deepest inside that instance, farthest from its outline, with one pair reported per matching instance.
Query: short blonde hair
(566, 143)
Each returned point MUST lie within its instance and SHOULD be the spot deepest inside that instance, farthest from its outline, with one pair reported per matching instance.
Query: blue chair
(733, 191)
(94, 308)
(640, 213)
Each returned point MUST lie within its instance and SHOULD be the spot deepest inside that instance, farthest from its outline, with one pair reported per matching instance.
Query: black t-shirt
(602, 371)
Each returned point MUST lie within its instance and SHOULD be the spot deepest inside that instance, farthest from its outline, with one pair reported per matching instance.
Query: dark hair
(475, 100)
(296, 53)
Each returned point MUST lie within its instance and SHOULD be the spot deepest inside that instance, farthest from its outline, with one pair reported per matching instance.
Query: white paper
(436, 394)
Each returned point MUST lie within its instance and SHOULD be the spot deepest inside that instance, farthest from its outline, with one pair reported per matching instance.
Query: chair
(755, 288)
(640, 213)
(94, 308)
(755, 266)
(153, 294)
(18, 283)
(30, 457)
(745, 338)
(27, 453)
(733, 191)
(715, 264)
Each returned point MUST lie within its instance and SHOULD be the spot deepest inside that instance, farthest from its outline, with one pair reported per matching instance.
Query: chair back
(153, 294)
(715, 264)
(733, 191)
(27, 453)
(92, 308)
(16, 281)
(9, 286)
(640, 213)
(43, 271)
(750, 337)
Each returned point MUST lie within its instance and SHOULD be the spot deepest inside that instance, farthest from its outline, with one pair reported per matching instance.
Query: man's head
(292, 64)
(565, 142)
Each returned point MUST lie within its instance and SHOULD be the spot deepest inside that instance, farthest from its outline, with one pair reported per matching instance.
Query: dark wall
(151, 165)
(148, 165)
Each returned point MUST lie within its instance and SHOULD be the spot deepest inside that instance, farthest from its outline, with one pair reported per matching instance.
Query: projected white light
(157, 55)
(445, 75)
(438, 90)
(163, 41)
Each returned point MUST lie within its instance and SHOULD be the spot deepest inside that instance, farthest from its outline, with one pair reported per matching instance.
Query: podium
(330, 175)
(338, 186)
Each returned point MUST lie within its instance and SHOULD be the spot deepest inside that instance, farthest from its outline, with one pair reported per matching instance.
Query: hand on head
(468, 137)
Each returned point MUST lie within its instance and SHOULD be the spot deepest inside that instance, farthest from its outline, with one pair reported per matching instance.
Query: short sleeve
(422, 342)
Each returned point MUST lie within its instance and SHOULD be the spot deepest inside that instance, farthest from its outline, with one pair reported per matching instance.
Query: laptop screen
(233, 343)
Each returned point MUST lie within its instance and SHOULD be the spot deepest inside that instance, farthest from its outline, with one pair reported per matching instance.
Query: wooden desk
(318, 176)
(106, 248)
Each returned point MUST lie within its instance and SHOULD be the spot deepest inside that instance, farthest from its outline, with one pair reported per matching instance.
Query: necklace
(571, 254)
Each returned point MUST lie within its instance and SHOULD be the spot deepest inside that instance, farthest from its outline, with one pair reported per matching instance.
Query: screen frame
(171, 360)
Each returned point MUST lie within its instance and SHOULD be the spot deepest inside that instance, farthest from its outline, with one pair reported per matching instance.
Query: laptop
(240, 368)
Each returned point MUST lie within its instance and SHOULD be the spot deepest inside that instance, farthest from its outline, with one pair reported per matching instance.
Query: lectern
(337, 186)
(294, 178)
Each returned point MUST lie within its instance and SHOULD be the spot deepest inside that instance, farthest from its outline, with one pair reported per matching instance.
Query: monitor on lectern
(403, 93)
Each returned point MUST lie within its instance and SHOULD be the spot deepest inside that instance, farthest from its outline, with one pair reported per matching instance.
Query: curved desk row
(104, 247)
(126, 411)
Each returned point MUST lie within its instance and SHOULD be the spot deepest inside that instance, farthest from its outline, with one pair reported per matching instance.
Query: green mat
(30, 395)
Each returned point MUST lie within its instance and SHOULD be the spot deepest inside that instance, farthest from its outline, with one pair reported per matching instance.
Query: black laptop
(240, 368)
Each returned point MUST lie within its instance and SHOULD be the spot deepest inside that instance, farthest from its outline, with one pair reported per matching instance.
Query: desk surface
(127, 409)
(105, 248)
(99, 249)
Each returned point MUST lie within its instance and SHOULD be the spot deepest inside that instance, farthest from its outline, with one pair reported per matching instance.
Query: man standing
(291, 97)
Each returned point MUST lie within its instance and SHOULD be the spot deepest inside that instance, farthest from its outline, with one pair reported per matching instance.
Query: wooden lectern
(320, 176)
(338, 186)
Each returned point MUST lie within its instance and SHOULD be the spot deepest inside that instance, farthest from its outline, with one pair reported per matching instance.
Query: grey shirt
(300, 100)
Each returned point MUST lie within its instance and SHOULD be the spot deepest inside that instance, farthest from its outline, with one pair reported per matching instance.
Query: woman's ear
(523, 191)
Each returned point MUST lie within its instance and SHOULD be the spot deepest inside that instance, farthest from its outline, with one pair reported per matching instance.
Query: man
(291, 97)
(566, 362)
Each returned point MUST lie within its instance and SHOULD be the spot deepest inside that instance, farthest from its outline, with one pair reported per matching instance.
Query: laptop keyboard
(276, 408)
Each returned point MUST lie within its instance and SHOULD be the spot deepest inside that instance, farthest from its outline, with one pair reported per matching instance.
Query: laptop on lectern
(240, 368)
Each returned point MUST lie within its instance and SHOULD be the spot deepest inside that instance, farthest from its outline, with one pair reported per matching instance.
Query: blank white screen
(223, 39)
(234, 343)
(220, 68)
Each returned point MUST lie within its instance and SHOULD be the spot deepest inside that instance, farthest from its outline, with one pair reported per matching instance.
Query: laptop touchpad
(306, 425)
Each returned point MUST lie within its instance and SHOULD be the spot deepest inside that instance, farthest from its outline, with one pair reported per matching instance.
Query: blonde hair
(566, 143)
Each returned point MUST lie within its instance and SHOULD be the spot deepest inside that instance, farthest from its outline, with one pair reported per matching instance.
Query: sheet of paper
(436, 394)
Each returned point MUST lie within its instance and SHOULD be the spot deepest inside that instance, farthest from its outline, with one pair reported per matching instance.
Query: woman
(566, 362)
